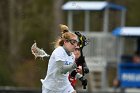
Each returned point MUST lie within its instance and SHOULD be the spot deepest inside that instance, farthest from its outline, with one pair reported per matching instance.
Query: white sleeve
(61, 60)
(65, 68)
(59, 54)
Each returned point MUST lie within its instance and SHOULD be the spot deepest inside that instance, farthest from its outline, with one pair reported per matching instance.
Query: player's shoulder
(59, 49)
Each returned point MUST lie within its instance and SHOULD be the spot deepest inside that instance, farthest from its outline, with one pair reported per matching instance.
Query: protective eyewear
(72, 41)
(77, 49)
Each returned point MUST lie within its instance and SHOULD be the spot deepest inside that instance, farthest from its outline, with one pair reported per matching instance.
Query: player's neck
(68, 53)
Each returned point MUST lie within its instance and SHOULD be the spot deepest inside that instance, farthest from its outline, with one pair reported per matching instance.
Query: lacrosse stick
(82, 43)
(37, 52)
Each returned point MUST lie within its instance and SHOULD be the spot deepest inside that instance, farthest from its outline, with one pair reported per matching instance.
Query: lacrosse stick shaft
(84, 87)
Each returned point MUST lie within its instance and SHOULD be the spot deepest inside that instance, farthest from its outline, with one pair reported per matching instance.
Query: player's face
(77, 52)
(71, 44)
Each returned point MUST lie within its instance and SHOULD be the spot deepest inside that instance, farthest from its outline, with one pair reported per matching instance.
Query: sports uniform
(56, 80)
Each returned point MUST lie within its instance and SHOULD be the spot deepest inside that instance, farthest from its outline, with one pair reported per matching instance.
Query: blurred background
(23, 21)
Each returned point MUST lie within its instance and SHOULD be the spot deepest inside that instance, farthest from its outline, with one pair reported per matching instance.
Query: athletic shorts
(68, 89)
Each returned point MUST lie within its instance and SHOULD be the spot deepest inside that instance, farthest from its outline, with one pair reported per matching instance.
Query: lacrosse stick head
(83, 41)
(37, 52)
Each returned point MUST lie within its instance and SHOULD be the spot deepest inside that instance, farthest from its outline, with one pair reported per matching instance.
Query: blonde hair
(65, 35)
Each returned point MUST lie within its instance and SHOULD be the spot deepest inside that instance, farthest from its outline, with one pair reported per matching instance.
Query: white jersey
(55, 80)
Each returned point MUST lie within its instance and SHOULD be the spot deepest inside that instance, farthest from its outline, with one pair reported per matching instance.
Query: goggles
(77, 49)
(72, 41)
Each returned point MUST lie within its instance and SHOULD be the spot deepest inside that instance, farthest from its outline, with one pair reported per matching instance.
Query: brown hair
(65, 35)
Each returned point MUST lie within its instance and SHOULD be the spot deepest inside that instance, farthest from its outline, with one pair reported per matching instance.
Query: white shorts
(68, 89)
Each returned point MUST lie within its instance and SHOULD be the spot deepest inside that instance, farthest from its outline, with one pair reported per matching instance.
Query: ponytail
(65, 34)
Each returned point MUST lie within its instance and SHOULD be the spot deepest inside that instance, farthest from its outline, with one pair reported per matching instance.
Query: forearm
(65, 68)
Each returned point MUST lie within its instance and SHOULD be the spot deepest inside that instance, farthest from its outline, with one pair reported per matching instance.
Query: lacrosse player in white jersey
(61, 63)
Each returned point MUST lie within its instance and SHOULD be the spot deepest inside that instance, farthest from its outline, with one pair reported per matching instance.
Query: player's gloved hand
(73, 73)
(80, 60)
(84, 81)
